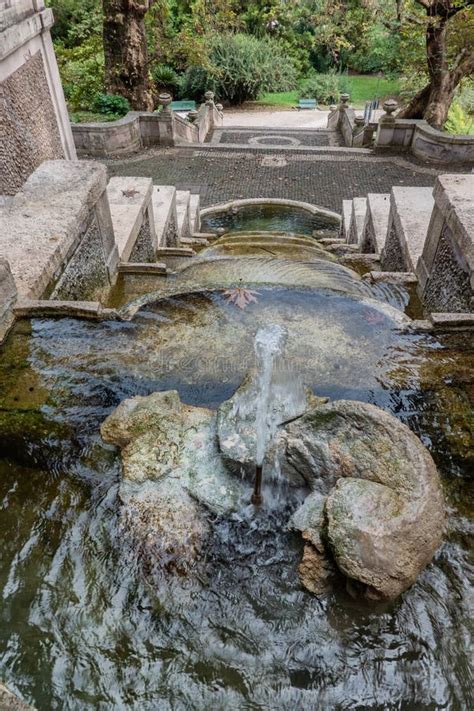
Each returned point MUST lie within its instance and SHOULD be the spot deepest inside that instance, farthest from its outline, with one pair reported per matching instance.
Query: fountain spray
(268, 346)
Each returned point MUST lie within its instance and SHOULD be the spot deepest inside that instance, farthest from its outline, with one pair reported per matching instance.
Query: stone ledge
(447, 321)
(44, 222)
(391, 277)
(158, 268)
(29, 308)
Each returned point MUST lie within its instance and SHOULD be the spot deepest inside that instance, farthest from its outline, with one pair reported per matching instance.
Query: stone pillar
(166, 120)
(33, 113)
(445, 269)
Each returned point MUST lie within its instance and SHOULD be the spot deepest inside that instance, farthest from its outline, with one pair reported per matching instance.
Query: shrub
(110, 105)
(166, 78)
(240, 68)
(459, 121)
(325, 88)
(82, 72)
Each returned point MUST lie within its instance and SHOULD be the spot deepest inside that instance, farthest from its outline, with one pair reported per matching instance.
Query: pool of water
(80, 629)
(271, 218)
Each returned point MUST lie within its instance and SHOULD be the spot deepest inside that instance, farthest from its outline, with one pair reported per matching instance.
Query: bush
(240, 68)
(110, 105)
(325, 88)
(166, 78)
(459, 121)
(82, 72)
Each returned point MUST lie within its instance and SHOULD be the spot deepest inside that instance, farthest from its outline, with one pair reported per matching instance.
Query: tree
(125, 51)
(449, 35)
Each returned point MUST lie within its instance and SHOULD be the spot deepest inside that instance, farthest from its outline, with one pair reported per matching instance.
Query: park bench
(307, 104)
(183, 105)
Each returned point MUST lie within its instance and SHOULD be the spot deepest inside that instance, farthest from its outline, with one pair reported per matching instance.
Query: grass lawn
(363, 88)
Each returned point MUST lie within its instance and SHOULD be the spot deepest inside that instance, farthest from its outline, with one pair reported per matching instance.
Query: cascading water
(276, 392)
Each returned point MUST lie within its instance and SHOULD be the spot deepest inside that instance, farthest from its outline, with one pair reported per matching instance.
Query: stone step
(165, 215)
(358, 210)
(194, 213)
(158, 268)
(132, 218)
(346, 220)
(375, 228)
(175, 252)
(410, 214)
(183, 198)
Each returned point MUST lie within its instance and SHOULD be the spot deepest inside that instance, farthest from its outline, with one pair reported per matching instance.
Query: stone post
(166, 120)
(209, 96)
(192, 116)
(344, 103)
(389, 106)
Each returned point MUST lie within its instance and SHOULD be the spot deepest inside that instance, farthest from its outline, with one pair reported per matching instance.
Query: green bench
(183, 105)
(307, 104)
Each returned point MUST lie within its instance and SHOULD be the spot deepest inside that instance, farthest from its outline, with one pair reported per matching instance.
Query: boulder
(172, 477)
(383, 514)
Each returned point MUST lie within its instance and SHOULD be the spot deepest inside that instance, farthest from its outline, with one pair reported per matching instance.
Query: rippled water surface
(80, 630)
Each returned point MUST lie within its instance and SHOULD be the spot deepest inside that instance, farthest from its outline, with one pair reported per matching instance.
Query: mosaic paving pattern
(285, 139)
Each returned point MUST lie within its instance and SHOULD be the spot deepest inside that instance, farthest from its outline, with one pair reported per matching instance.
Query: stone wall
(58, 235)
(425, 142)
(445, 269)
(138, 130)
(34, 124)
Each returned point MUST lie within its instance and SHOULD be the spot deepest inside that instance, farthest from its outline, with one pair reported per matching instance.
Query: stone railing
(354, 129)
(141, 129)
(419, 138)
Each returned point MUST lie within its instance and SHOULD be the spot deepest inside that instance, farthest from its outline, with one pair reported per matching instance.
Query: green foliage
(459, 121)
(325, 88)
(82, 71)
(240, 68)
(166, 78)
(110, 105)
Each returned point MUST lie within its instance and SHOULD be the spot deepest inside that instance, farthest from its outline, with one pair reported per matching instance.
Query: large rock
(173, 477)
(383, 515)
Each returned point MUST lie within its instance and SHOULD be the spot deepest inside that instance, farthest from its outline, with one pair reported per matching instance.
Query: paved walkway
(270, 120)
(324, 177)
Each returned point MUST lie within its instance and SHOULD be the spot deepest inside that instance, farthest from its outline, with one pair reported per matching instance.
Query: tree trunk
(432, 103)
(125, 51)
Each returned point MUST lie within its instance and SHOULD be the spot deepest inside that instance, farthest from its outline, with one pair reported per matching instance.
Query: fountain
(141, 543)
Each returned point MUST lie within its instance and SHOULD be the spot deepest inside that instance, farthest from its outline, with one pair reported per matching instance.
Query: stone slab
(143, 268)
(129, 199)
(358, 211)
(410, 214)
(164, 212)
(29, 308)
(44, 222)
(183, 213)
(346, 219)
(375, 228)
(194, 213)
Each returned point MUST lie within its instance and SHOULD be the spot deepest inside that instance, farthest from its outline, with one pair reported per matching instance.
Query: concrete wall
(423, 141)
(34, 122)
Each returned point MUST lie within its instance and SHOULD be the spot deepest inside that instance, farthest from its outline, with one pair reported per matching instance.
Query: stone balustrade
(142, 129)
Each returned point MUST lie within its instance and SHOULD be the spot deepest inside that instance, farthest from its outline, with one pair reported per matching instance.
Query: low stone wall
(58, 236)
(138, 130)
(445, 269)
(423, 141)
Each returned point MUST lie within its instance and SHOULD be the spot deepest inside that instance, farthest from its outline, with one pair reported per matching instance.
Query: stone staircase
(422, 235)
(155, 226)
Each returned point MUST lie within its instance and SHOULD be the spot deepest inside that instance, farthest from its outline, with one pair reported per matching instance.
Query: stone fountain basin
(374, 512)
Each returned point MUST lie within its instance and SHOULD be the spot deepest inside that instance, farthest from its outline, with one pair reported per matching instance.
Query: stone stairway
(155, 226)
(419, 234)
